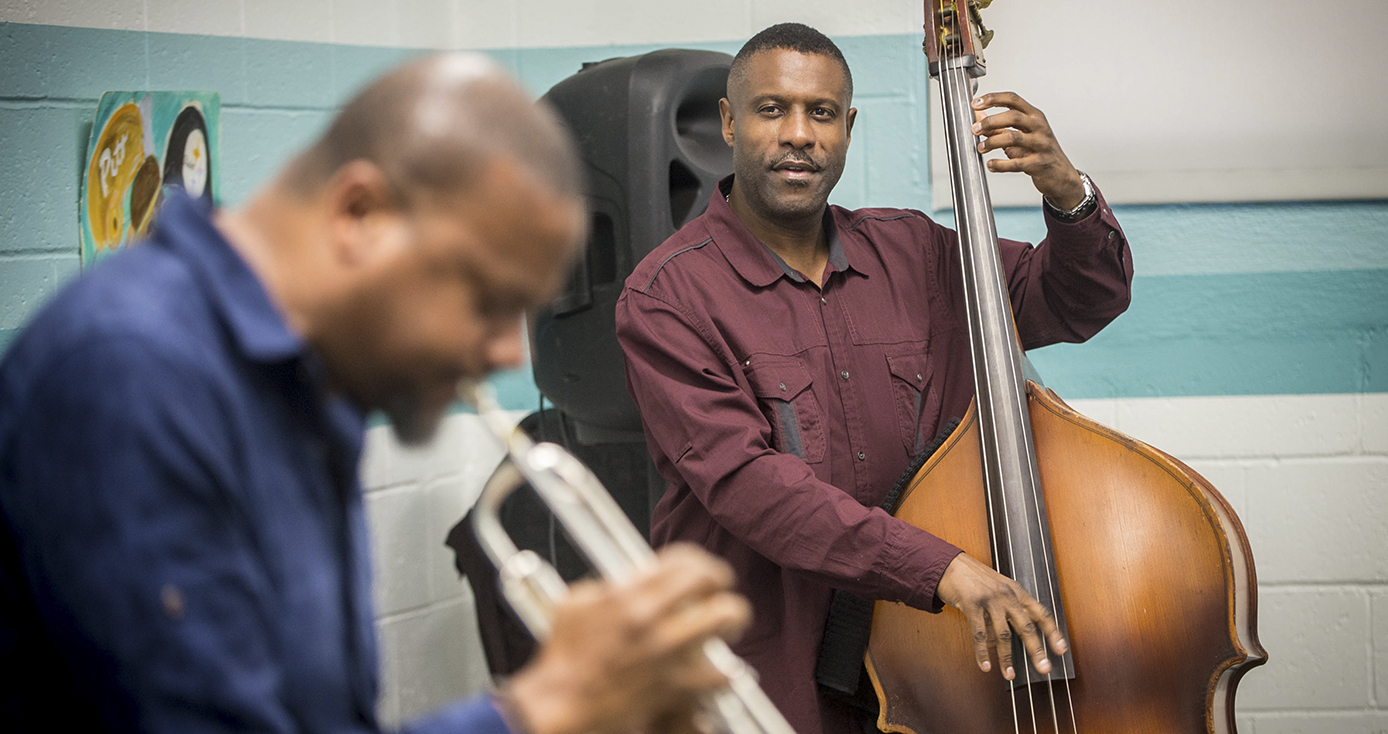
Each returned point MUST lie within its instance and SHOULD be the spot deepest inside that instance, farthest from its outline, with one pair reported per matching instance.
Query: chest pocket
(917, 400)
(783, 389)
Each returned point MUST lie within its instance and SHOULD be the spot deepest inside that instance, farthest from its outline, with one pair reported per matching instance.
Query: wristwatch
(1081, 211)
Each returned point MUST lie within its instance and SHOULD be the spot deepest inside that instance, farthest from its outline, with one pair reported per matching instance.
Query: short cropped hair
(793, 37)
(432, 124)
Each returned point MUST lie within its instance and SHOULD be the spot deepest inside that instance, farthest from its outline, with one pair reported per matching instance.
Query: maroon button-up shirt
(782, 413)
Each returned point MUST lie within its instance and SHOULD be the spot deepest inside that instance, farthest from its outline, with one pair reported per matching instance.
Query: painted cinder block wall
(1256, 348)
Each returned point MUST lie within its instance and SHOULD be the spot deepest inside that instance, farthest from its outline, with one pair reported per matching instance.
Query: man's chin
(414, 427)
(799, 205)
(797, 199)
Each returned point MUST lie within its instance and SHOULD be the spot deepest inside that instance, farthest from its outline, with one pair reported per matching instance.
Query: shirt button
(1112, 234)
(172, 600)
(844, 374)
(783, 387)
(862, 455)
(821, 300)
(918, 377)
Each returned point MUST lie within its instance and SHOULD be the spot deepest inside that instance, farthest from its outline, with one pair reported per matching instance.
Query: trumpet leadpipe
(602, 533)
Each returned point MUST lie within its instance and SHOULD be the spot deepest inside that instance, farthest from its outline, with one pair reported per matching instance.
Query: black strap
(846, 632)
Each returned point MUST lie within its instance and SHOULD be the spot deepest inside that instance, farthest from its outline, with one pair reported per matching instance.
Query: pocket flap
(781, 378)
(914, 369)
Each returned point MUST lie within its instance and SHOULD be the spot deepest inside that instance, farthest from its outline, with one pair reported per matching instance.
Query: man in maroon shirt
(790, 358)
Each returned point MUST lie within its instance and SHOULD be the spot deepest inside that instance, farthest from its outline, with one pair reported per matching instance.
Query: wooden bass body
(1155, 575)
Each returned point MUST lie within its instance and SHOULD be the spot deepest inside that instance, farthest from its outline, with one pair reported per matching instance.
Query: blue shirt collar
(255, 323)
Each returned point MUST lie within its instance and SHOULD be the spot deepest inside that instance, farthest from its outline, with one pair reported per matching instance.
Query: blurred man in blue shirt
(183, 547)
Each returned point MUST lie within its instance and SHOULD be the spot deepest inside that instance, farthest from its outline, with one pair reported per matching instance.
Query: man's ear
(852, 115)
(358, 200)
(725, 111)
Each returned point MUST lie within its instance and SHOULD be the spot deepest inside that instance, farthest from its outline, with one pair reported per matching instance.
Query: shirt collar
(184, 226)
(257, 327)
(752, 260)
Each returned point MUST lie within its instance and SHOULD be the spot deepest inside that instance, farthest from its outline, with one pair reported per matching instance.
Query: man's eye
(822, 112)
(500, 307)
(493, 309)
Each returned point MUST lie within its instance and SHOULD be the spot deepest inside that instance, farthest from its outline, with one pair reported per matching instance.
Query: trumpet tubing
(606, 538)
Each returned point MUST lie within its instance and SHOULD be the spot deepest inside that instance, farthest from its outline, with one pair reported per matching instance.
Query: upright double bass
(1143, 564)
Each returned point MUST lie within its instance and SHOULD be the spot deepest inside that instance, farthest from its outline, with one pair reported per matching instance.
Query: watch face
(195, 163)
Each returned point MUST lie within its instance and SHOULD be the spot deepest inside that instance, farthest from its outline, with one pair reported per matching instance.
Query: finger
(725, 616)
(1025, 623)
(1057, 640)
(1006, 120)
(1049, 628)
(1002, 636)
(1024, 164)
(695, 675)
(677, 720)
(683, 555)
(682, 679)
(1008, 139)
(978, 628)
(586, 592)
(1003, 99)
(682, 575)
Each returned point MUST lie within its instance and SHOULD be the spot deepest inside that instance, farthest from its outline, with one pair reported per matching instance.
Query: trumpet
(604, 536)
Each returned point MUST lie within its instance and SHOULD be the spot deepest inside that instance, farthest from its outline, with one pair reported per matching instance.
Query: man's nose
(796, 130)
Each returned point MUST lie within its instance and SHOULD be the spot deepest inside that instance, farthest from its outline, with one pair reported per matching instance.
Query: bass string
(1014, 369)
(964, 92)
(1014, 377)
(1050, 587)
(1034, 487)
(952, 78)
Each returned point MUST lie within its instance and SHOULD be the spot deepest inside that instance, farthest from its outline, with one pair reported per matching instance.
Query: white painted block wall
(1308, 475)
(465, 24)
(430, 649)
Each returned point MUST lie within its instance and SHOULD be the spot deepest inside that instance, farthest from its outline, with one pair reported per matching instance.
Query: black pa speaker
(650, 136)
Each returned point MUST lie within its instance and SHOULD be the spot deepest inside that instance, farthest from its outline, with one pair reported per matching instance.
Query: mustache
(796, 156)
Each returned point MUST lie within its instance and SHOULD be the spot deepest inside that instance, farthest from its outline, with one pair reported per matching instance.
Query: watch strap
(1082, 210)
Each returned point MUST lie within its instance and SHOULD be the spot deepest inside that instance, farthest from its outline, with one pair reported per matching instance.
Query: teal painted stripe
(1243, 334)
(1219, 334)
(515, 389)
(1192, 239)
(1234, 334)
(1230, 299)
(278, 94)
